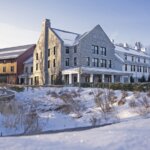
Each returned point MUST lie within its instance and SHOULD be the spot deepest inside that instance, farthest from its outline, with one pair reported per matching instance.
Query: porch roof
(90, 70)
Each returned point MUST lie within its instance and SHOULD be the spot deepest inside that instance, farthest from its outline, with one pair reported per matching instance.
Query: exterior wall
(54, 42)
(96, 37)
(8, 64)
(41, 50)
(47, 41)
(137, 75)
(22, 58)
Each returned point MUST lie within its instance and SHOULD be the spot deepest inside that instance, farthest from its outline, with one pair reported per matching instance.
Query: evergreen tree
(143, 79)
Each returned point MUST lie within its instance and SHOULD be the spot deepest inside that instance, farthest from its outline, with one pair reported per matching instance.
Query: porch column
(70, 78)
(91, 78)
(112, 79)
(129, 79)
(121, 79)
(103, 78)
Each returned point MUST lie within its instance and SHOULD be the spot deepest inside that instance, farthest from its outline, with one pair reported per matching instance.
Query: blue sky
(123, 20)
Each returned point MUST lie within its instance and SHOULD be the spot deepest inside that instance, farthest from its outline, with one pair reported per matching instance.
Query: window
(12, 68)
(95, 62)
(103, 63)
(103, 51)
(37, 66)
(87, 61)
(26, 69)
(109, 64)
(144, 60)
(140, 69)
(49, 52)
(67, 62)
(95, 49)
(31, 69)
(132, 58)
(125, 57)
(54, 50)
(132, 68)
(75, 49)
(126, 67)
(75, 61)
(37, 57)
(54, 63)
(144, 69)
(4, 69)
(138, 59)
(48, 63)
(67, 50)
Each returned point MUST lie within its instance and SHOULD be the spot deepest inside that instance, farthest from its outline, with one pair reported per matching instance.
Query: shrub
(17, 88)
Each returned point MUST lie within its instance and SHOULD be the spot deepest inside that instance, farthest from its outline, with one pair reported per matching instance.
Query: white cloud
(14, 36)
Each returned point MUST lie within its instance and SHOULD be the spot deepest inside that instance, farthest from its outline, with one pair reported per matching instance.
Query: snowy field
(36, 110)
(131, 135)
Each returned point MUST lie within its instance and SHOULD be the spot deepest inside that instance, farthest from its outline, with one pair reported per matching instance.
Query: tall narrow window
(132, 58)
(54, 50)
(103, 51)
(75, 49)
(103, 63)
(37, 57)
(144, 60)
(87, 61)
(138, 59)
(125, 57)
(26, 69)
(95, 62)
(48, 63)
(54, 63)
(126, 67)
(48, 52)
(109, 64)
(75, 61)
(67, 62)
(4, 69)
(12, 68)
(95, 49)
(37, 67)
(67, 50)
(31, 69)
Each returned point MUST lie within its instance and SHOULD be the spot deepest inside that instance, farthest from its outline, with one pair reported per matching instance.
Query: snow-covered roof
(130, 51)
(94, 70)
(69, 38)
(28, 61)
(13, 52)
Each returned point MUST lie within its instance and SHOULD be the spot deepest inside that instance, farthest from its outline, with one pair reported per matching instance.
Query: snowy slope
(132, 135)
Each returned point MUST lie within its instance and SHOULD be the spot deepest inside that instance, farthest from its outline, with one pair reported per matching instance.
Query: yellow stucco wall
(8, 67)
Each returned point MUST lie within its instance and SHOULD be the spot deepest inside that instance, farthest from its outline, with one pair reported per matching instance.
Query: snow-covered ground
(52, 105)
(131, 135)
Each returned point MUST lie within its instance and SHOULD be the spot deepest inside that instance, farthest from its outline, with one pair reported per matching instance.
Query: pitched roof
(69, 38)
(13, 52)
(130, 51)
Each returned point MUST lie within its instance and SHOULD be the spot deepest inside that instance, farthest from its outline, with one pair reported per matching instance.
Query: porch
(94, 75)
